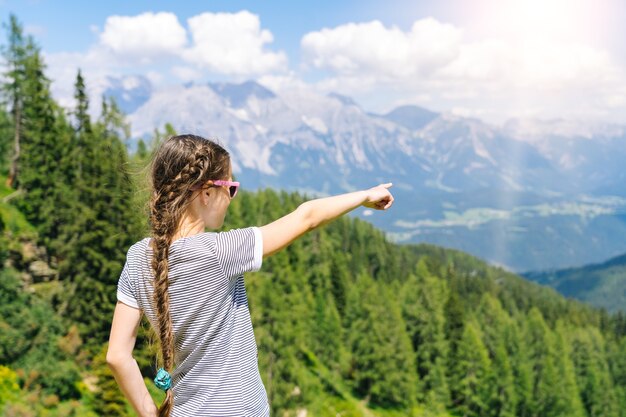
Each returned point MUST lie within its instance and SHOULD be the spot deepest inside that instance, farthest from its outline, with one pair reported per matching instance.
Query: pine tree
(592, 373)
(13, 89)
(105, 224)
(553, 393)
(43, 139)
(617, 361)
(382, 356)
(6, 134)
(423, 311)
(287, 314)
(327, 331)
(568, 399)
(469, 384)
(496, 325)
(521, 366)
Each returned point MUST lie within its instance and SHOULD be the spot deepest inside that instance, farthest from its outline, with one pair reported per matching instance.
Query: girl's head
(182, 171)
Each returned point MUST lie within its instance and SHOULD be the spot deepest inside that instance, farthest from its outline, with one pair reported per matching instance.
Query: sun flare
(530, 21)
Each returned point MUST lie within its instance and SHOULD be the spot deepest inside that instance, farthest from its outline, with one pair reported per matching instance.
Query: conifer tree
(617, 360)
(327, 331)
(13, 89)
(553, 393)
(142, 150)
(340, 279)
(287, 309)
(469, 384)
(105, 224)
(423, 310)
(6, 133)
(568, 400)
(592, 372)
(43, 139)
(519, 359)
(496, 325)
(540, 347)
(383, 360)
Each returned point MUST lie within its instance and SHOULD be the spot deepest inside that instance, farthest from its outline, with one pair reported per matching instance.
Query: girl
(190, 285)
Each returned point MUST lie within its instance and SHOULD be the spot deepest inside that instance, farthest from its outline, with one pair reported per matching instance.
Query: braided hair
(179, 165)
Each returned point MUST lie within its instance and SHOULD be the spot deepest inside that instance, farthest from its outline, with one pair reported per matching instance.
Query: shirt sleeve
(240, 250)
(125, 290)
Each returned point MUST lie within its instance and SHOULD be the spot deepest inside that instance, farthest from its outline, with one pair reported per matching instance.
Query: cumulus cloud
(232, 43)
(186, 73)
(223, 43)
(145, 36)
(155, 44)
(432, 63)
(495, 78)
(371, 48)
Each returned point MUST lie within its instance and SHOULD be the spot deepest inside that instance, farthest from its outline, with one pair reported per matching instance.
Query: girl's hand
(379, 197)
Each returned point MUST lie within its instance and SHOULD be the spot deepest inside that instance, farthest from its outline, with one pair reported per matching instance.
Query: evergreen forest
(347, 323)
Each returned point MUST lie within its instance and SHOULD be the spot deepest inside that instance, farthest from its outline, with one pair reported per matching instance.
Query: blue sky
(492, 59)
(288, 20)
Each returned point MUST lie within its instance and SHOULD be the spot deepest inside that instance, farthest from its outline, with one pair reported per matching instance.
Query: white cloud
(144, 36)
(371, 48)
(155, 77)
(282, 82)
(186, 73)
(433, 64)
(156, 45)
(497, 78)
(232, 43)
(224, 43)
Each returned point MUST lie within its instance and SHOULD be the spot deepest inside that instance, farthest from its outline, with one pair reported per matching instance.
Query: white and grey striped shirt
(216, 365)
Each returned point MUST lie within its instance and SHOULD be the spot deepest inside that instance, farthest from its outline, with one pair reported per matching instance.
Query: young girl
(190, 284)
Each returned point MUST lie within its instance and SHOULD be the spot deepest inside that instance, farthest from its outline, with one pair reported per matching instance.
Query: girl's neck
(188, 227)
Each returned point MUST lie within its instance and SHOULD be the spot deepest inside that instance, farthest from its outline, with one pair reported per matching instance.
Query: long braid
(180, 164)
(161, 297)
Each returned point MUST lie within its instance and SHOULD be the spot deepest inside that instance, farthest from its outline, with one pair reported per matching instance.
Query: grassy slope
(12, 217)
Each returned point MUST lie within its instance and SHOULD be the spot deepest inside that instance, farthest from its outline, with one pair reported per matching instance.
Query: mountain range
(527, 195)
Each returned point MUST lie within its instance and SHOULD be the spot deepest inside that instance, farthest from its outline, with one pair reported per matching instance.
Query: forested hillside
(346, 322)
(601, 285)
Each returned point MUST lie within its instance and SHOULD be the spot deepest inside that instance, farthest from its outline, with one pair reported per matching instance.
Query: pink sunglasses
(233, 186)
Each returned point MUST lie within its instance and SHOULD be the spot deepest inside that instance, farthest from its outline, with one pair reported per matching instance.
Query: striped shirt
(216, 362)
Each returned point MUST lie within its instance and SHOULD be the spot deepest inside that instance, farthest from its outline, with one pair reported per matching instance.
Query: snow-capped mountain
(590, 155)
(278, 134)
(129, 92)
(443, 166)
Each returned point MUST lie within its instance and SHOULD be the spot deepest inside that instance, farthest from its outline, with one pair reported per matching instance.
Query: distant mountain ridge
(411, 117)
(602, 285)
(516, 195)
(237, 94)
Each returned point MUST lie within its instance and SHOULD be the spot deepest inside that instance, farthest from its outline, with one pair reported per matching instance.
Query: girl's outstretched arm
(120, 359)
(314, 213)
